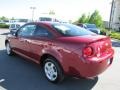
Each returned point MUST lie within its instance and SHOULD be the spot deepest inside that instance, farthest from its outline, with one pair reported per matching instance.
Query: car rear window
(71, 30)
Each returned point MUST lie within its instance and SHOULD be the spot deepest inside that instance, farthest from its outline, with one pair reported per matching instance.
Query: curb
(115, 40)
(4, 28)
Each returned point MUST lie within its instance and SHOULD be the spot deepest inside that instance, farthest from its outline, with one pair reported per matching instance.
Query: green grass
(111, 33)
(115, 35)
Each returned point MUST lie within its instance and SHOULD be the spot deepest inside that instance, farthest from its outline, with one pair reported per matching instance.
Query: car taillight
(105, 47)
(87, 51)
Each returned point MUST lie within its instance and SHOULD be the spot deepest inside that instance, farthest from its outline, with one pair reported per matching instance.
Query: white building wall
(117, 11)
(116, 15)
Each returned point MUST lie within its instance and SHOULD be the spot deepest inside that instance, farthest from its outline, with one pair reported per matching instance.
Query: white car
(15, 26)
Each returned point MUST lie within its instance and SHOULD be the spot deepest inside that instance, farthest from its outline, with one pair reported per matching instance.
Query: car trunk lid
(100, 44)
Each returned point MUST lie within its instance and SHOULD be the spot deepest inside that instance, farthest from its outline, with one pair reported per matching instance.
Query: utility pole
(33, 9)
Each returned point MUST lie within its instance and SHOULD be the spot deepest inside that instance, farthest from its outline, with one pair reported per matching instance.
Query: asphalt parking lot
(17, 73)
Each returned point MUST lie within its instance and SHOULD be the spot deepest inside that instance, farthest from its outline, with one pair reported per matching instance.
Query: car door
(22, 40)
(42, 37)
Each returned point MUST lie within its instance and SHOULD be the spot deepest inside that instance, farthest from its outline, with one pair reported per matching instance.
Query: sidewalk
(4, 28)
(115, 40)
(3, 31)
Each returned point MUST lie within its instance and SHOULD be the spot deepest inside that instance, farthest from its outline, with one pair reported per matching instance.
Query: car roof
(45, 23)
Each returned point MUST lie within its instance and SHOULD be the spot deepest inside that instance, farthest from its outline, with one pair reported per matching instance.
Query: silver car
(14, 27)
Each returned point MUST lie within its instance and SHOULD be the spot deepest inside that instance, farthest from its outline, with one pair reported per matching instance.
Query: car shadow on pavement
(20, 74)
(5, 33)
(116, 43)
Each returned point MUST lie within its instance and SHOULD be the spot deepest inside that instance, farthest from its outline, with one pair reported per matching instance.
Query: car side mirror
(14, 33)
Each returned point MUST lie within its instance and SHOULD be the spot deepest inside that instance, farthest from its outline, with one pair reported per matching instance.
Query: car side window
(12, 26)
(42, 32)
(17, 26)
(27, 30)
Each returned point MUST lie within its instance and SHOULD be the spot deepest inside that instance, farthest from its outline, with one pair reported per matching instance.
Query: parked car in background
(91, 27)
(81, 25)
(14, 27)
(62, 49)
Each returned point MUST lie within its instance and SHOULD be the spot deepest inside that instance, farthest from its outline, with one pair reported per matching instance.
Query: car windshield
(71, 30)
(90, 25)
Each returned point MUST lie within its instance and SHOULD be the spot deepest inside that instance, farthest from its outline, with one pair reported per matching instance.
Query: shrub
(111, 33)
(4, 26)
(115, 35)
(103, 31)
(96, 19)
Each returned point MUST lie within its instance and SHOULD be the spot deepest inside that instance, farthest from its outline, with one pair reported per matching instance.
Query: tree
(82, 19)
(12, 18)
(51, 12)
(3, 18)
(88, 18)
(95, 18)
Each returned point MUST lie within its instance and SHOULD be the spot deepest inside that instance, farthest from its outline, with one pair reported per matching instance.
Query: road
(17, 73)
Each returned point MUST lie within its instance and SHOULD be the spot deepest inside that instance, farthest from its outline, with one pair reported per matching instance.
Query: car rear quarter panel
(64, 53)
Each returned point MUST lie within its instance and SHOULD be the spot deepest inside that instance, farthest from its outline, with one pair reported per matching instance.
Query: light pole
(32, 8)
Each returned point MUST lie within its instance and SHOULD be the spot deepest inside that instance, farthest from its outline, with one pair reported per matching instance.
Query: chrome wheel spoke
(50, 71)
(8, 49)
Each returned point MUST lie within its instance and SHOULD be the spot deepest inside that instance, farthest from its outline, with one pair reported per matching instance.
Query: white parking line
(1, 88)
(2, 80)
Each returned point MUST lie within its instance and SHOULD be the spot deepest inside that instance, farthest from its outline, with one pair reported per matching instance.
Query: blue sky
(66, 9)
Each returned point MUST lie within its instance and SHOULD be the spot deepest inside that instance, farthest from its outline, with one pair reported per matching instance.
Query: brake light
(88, 51)
(105, 47)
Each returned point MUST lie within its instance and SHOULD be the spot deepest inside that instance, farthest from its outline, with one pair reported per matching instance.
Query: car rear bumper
(90, 68)
(93, 69)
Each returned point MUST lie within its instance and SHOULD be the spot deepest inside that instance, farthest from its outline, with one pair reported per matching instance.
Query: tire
(52, 70)
(8, 49)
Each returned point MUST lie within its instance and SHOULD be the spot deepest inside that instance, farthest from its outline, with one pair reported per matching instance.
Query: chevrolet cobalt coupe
(62, 49)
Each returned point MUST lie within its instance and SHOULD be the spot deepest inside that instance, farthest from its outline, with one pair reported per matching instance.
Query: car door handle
(51, 44)
(29, 41)
(23, 40)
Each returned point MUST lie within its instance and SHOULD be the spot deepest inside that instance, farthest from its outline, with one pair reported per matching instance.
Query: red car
(62, 49)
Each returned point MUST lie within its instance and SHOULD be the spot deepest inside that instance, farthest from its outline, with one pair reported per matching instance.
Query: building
(115, 15)
(18, 21)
